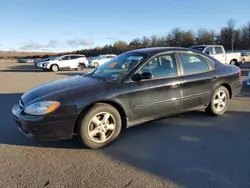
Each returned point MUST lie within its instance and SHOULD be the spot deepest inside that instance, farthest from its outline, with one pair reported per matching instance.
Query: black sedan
(135, 87)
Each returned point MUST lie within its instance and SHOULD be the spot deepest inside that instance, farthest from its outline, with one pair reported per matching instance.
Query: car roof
(205, 45)
(155, 50)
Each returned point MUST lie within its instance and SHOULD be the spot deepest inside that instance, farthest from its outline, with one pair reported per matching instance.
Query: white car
(72, 61)
(99, 60)
(218, 52)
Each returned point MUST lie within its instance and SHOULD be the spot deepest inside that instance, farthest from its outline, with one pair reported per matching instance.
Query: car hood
(59, 86)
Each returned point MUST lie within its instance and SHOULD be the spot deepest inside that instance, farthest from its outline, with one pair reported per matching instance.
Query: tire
(233, 62)
(216, 102)
(54, 68)
(243, 61)
(96, 64)
(91, 130)
(80, 67)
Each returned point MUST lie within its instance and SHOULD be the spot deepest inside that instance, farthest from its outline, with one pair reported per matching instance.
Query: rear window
(198, 48)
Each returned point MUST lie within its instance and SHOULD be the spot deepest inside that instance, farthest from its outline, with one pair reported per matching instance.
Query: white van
(71, 61)
(101, 59)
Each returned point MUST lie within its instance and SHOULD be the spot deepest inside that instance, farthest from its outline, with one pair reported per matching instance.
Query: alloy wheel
(101, 127)
(220, 100)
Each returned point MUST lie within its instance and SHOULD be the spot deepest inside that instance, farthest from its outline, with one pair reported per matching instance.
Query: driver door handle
(175, 85)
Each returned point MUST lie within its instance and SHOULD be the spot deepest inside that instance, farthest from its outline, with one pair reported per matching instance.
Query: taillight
(239, 72)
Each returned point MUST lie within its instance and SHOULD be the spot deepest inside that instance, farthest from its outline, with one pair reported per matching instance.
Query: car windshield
(55, 58)
(119, 67)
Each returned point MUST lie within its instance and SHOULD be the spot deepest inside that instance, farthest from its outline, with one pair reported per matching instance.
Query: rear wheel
(54, 68)
(80, 67)
(99, 126)
(219, 102)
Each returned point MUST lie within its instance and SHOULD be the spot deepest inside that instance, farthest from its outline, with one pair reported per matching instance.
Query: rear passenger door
(198, 75)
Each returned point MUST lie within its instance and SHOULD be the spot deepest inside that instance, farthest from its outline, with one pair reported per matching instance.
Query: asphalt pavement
(192, 150)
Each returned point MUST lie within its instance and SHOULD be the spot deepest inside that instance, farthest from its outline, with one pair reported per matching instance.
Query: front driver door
(64, 62)
(160, 95)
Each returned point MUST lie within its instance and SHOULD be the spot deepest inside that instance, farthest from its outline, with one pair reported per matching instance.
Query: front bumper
(44, 129)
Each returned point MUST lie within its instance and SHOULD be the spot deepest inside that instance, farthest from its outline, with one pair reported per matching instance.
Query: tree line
(230, 36)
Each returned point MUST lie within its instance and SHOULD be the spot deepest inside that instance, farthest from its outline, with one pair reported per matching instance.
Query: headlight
(41, 108)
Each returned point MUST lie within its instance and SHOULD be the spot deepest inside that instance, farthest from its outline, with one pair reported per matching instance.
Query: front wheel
(243, 61)
(233, 62)
(54, 68)
(99, 126)
(219, 102)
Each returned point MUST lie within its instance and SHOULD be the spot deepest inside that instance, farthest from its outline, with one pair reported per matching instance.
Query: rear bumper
(36, 127)
(236, 88)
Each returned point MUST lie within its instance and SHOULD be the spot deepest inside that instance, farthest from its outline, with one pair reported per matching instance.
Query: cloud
(12, 49)
(91, 33)
(80, 42)
(72, 43)
(31, 45)
(111, 38)
(53, 44)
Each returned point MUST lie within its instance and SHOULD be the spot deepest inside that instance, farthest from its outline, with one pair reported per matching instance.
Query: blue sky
(64, 25)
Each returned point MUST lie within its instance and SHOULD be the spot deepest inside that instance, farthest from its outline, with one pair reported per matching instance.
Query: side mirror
(146, 75)
(136, 77)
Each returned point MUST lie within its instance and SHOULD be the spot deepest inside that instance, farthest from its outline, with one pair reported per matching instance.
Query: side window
(209, 50)
(65, 58)
(218, 50)
(193, 64)
(161, 66)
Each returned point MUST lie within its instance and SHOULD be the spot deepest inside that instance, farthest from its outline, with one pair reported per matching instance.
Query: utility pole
(232, 42)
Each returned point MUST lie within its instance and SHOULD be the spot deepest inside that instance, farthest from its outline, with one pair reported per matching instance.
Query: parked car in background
(135, 87)
(42, 60)
(30, 61)
(218, 52)
(245, 57)
(99, 60)
(71, 61)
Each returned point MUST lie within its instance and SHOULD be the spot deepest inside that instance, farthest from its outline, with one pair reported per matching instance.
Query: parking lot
(188, 150)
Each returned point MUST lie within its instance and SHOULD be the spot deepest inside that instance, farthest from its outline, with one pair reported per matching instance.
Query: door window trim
(193, 53)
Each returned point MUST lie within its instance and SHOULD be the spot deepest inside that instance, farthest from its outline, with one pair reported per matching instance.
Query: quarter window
(161, 66)
(193, 64)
